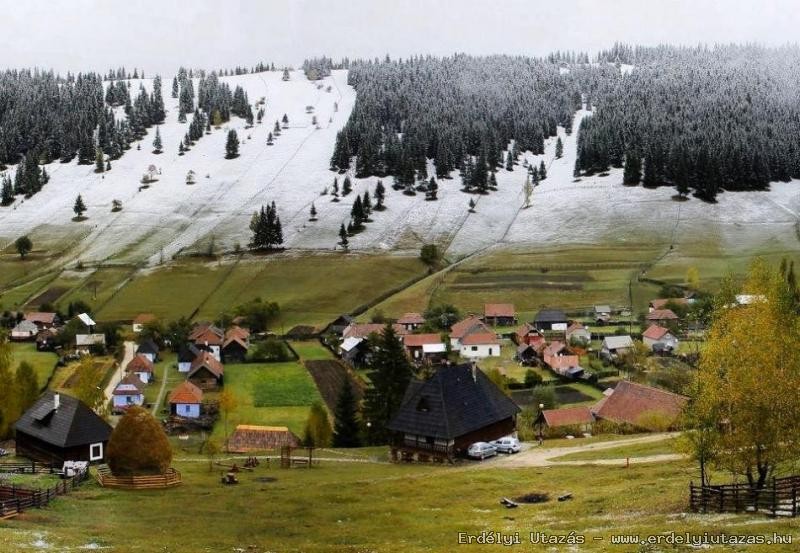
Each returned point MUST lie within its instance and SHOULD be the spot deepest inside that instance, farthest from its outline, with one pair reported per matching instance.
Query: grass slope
(43, 362)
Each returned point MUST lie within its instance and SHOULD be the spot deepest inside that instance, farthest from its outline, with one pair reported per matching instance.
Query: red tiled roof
(661, 315)
(144, 318)
(557, 362)
(419, 340)
(568, 416)
(655, 332)
(139, 364)
(362, 330)
(40, 317)
(411, 319)
(462, 328)
(575, 326)
(209, 336)
(661, 302)
(186, 393)
(236, 334)
(554, 348)
(480, 338)
(630, 401)
(130, 380)
(499, 310)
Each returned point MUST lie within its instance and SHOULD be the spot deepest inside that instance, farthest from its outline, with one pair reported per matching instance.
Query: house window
(186, 409)
(474, 348)
(490, 351)
(96, 452)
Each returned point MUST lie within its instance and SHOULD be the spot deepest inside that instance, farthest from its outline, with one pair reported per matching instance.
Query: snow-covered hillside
(172, 217)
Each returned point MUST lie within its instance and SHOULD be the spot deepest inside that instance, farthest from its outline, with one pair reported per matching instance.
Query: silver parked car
(507, 445)
(481, 450)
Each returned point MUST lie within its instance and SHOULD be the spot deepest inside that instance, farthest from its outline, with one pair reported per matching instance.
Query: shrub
(532, 378)
(269, 351)
(138, 445)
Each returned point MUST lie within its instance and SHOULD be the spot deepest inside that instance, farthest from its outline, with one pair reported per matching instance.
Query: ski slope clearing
(170, 218)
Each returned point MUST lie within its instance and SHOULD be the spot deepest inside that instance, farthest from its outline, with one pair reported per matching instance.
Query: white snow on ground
(170, 216)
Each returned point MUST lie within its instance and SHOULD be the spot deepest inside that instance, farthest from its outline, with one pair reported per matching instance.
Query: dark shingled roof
(187, 353)
(550, 316)
(148, 346)
(72, 424)
(451, 403)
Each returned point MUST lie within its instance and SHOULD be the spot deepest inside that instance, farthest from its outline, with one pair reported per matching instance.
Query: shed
(247, 438)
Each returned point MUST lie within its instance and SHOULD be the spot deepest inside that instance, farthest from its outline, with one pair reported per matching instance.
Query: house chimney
(474, 371)
(56, 401)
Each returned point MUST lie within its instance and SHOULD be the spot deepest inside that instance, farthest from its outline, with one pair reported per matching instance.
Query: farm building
(602, 313)
(550, 319)
(24, 331)
(60, 428)
(640, 406)
(363, 330)
(478, 345)
(208, 337)
(658, 337)
(248, 438)
(129, 391)
(499, 314)
(411, 321)
(236, 345)
(185, 400)
(578, 333)
(354, 350)
(525, 353)
(206, 372)
(662, 317)
(141, 366)
(42, 320)
(339, 324)
(148, 348)
(140, 320)
(527, 334)
(440, 417)
(45, 339)
(90, 343)
(564, 365)
(579, 418)
(470, 325)
(425, 348)
(661, 303)
(186, 355)
(614, 346)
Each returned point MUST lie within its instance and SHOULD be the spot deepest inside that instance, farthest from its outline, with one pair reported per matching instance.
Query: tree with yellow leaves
(745, 409)
(693, 278)
(228, 403)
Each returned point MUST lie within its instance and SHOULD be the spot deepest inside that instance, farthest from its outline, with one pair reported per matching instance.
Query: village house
(659, 338)
(208, 337)
(142, 367)
(363, 330)
(185, 400)
(60, 428)
(186, 354)
(90, 343)
(339, 324)
(43, 320)
(354, 350)
(499, 314)
(525, 353)
(86, 320)
(550, 320)
(662, 317)
(442, 416)
(45, 339)
(425, 348)
(141, 320)
(477, 345)
(602, 314)
(614, 346)
(662, 303)
(206, 372)
(236, 345)
(578, 333)
(149, 349)
(461, 329)
(527, 334)
(129, 391)
(640, 406)
(561, 361)
(577, 419)
(24, 331)
(411, 321)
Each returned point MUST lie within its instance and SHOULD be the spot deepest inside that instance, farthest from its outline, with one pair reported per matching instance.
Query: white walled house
(185, 400)
(142, 367)
(479, 345)
(128, 392)
(656, 334)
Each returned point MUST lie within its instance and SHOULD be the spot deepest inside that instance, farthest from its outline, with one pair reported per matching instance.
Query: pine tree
(285, 119)
(157, 142)
(181, 149)
(313, 212)
(380, 196)
(366, 204)
(343, 237)
(346, 425)
(7, 194)
(559, 148)
(390, 374)
(509, 162)
(542, 171)
(79, 208)
(175, 87)
(471, 205)
(347, 186)
(433, 188)
(632, 173)
(232, 145)
(357, 214)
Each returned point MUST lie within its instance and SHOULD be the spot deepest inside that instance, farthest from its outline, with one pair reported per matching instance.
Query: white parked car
(507, 445)
(481, 450)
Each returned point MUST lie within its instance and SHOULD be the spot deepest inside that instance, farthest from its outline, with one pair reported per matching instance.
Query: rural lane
(119, 373)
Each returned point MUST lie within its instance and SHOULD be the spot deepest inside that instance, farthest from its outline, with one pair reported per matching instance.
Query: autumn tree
(7, 396)
(26, 385)
(693, 278)
(318, 430)
(228, 403)
(88, 385)
(138, 445)
(745, 399)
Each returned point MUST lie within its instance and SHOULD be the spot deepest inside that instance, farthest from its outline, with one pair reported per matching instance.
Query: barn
(60, 428)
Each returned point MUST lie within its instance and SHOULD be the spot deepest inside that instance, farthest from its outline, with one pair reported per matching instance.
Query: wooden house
(185, 400)
(206, 372)
(60, 428)
(579, 419)
(339, 324)
(461, 329)
(43, 320)
(148, 348)
(186, 355)
(425, 348)
(441, 417)
(142, 367)
(46, 339)
(550, 320)
(576, 332)
(208, 337)
(499, 314)
(235, 345)
(411, 321)
(662, 317)
(614, 346)
(129, 391)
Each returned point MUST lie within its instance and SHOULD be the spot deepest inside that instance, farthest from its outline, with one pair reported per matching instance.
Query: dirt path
(542, 457)
(119, 373)
(161, 392)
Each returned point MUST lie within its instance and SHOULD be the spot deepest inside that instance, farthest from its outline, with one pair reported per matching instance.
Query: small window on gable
(96, 452)
(422, 405)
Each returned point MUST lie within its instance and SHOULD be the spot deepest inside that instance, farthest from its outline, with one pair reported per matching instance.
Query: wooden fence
(778, 498)
(16, 499)
(154, 482)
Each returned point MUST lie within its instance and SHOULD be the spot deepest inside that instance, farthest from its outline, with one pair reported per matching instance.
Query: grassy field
(43, 362)
(274, 394)
(309, 289)
(311, 349)
(342, 506)
(166, 368)
(621, 452)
